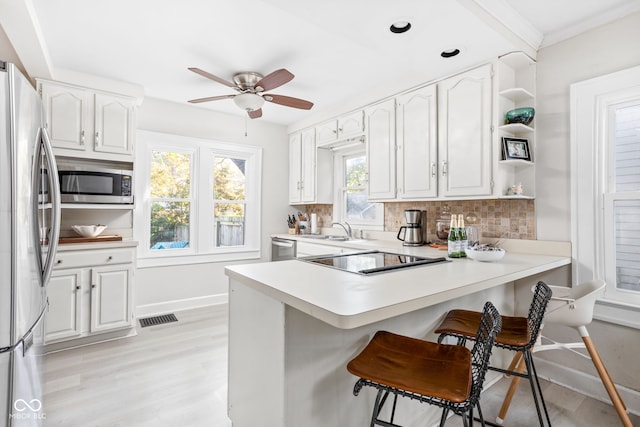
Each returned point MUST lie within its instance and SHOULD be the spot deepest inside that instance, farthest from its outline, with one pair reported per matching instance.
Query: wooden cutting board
(79, 239)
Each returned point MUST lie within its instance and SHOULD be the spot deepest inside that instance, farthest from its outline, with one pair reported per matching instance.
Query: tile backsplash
(497, 218)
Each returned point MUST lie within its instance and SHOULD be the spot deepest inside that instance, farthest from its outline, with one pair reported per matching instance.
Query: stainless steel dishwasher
(282, 249)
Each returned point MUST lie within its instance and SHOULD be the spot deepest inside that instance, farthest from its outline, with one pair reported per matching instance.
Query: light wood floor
(175, 375)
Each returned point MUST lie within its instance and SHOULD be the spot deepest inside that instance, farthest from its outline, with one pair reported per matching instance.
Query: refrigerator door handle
(54, 190)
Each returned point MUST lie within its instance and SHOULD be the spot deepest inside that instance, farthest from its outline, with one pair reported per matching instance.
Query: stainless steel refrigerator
(29, 231)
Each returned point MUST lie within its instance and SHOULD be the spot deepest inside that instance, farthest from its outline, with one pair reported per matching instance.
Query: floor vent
(158, 320)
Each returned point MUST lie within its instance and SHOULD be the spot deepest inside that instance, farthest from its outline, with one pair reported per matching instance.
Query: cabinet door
(327, 132)
(111, 297)
(67, 115)
(417, 144)
(113, 124)
(381, 151)
(64, 292)
(464, 109)
(308, 164)
(295, 167)
(352, 124)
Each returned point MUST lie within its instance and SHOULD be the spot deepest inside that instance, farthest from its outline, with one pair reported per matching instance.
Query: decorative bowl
(522, 115)
(89, 230)
(485, 253)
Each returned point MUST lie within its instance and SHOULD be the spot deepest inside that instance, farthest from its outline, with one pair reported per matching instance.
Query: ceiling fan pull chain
(245, 126)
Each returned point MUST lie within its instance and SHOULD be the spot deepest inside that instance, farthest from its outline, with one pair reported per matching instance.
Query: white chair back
(573, 306)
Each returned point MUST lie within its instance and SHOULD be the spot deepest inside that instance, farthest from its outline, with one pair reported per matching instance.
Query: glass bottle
(452, 242)
(462, 241)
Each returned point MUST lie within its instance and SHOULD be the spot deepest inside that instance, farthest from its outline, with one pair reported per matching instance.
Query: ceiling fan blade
(212, 77)
(273, 80)
(254, 114)
(211, 98)
(288, 101)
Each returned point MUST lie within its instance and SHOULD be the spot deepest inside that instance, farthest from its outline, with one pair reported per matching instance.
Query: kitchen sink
(325, 237)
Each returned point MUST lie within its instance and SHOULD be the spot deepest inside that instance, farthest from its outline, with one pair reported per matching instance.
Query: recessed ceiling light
(449, 53)
(400, 27)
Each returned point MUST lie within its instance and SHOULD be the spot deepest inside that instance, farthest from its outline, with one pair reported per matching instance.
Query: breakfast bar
(294, 325)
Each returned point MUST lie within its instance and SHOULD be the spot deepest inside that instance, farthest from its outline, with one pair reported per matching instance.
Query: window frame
(339, 205)
(592, 224)
(201, 224)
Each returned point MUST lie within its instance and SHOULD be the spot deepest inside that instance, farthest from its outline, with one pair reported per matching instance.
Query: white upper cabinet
(345, 127)
(87, 123)
(114, 124)
(417, 144)
(464, 134)
(310, 176)
(380, 121)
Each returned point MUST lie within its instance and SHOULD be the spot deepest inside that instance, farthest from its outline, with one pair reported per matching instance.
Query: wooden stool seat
(518, 334)
(417, 366)
(448, 376)
(515, 330)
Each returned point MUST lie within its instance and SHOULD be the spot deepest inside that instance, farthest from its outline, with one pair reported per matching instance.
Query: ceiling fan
(251, 87)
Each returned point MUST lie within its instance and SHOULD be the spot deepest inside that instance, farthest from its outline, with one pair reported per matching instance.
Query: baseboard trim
(584, 383)
(179, 305)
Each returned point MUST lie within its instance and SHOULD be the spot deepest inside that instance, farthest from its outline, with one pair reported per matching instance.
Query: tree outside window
(229, 201)
(170, 185)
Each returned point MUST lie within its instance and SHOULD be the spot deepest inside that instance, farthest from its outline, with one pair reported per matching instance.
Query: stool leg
(533, 379)
(606, 380)
(516, 358)
(515, 380)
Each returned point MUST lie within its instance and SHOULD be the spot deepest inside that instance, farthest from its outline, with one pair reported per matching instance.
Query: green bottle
(462, 233)
(452, 242)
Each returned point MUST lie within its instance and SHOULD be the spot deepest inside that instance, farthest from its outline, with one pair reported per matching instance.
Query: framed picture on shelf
(515, 148)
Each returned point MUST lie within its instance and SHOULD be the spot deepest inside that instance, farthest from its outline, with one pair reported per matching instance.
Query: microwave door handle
(54, 189)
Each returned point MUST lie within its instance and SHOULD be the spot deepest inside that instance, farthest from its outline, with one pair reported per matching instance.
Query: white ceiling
(341, 51)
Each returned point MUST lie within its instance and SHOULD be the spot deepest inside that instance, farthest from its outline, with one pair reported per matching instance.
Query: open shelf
(516, 163)
(516, 128)
(517, 94)
(94, 206)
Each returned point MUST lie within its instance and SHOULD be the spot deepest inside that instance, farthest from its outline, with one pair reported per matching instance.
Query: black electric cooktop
(372, 262)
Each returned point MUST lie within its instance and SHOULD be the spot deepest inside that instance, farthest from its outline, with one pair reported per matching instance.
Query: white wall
(161, 289)
(610, 48)
(600, 51)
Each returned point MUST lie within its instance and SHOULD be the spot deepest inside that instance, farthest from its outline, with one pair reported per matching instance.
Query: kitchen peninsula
(294, 325)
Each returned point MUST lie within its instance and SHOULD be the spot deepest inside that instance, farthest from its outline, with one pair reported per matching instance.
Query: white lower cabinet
(90, 292)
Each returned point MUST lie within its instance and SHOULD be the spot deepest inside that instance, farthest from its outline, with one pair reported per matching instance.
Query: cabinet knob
(77, 288)
(109, 258)
(59, 261)
(93, 286)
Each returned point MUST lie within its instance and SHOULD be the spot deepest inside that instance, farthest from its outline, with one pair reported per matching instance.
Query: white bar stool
(573, 307)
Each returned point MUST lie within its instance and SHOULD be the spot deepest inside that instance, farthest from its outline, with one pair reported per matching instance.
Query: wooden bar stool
(518, 334)
(448, 376)
(573, 307)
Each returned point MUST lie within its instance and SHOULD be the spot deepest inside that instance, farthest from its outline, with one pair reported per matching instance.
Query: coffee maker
(413, 232)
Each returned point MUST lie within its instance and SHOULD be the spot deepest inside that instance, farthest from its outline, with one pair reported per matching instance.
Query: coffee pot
(412, 233)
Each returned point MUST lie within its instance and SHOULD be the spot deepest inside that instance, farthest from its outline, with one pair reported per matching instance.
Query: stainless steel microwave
(93, 184)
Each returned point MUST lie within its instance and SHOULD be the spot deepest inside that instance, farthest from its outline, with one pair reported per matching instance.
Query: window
(605, 190)
(196, 200)
(351, 203)
(622, 203)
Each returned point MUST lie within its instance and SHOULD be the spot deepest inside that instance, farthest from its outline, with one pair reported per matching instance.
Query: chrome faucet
(347, 229)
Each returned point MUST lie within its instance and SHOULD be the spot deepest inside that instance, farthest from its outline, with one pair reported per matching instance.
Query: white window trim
(338, 196)
(202, 151)
(590, 102)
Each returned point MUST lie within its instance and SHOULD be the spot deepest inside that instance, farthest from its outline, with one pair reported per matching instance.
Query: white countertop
(348, 300)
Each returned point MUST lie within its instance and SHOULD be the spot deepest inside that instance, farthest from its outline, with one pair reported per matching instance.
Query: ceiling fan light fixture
(249, 101)
(400, 27)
